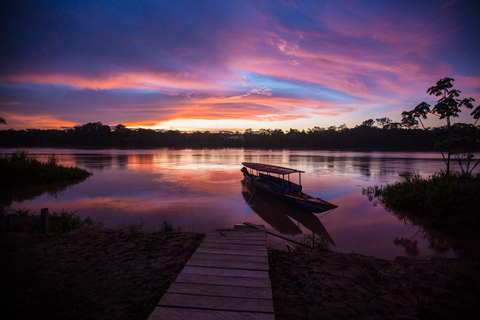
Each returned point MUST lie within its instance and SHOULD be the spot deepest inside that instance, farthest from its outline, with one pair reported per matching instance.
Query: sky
(230, 65)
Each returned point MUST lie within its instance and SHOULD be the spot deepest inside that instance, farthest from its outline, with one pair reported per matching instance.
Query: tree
(332, 128)
(448, 106)
(121, 128)
(2, 121)
(92, 134)
(394, 125)
(464, 139)
(315, 129)
(368, 123)
(409, 120)
(384, 122)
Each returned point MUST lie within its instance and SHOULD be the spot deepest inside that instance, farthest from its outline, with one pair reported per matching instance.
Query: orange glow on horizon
(36, 122)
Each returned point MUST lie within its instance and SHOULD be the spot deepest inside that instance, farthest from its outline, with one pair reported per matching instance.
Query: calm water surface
(202, 190)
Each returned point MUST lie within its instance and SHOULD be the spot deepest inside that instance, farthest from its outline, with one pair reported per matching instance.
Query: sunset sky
(216, 65)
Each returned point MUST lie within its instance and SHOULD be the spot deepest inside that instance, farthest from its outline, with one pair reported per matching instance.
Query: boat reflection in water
(279, 214)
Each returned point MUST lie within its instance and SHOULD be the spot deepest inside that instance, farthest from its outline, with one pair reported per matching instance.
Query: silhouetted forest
(387, 136)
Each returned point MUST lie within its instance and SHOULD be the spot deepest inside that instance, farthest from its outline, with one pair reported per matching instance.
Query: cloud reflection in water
(200, 190)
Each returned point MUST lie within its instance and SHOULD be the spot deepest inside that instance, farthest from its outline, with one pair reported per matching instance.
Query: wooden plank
(171, 313)
(257, 253)
(216, 303)
(243, 226)
(238, 232)
(228, 264)
(236, 241)
(232, 246)
(257, 229)
(237, 237)
(220, 291)
(225, 272)
(248, 233)
(279, 235)
(254, 226)
(224, 280)
(228, 257)
(252, 233)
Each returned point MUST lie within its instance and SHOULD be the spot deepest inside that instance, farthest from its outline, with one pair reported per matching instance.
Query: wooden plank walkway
(226, 278)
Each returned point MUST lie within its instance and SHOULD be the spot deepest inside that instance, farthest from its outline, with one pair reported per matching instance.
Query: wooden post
(9, 222)
(313, 238)
(44, 220)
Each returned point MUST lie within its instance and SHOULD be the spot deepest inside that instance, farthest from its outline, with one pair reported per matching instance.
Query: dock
(226, 278)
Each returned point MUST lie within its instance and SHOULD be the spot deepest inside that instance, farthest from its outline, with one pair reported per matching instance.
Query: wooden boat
(260, 175)
(283, 217)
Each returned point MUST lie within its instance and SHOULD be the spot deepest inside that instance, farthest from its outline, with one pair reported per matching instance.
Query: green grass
(62, 222)
(20, 169)
(449, 203)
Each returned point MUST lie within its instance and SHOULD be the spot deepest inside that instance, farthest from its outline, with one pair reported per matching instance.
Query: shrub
(446, 202)
(167, 226)
(58, 223)
(20, 169)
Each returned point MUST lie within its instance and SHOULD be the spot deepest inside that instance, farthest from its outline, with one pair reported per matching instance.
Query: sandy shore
(122, 273)
(91, 273)
(332, 285)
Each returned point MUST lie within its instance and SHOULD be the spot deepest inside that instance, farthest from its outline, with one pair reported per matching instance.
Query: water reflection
(279, 214)
(19, 195)
(270, 210)
(199, 190)
(438, 242)
(369, 165)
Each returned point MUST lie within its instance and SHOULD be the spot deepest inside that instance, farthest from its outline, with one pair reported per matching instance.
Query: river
(201, 190)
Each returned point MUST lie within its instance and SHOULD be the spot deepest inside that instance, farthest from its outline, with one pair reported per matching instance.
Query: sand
(122, 274)
(90, 273)
(332, 285)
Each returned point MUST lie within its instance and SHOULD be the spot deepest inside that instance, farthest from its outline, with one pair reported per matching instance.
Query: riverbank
(333, 285)
(122, 273)
(90, 273)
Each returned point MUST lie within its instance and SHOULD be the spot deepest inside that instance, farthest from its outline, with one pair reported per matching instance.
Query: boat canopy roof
(269, 168)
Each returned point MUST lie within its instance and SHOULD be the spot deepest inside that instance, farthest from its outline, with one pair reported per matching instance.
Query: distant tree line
(379, 134)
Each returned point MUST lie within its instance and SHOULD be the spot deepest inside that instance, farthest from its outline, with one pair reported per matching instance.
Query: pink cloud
(319, 60)
(132, 80)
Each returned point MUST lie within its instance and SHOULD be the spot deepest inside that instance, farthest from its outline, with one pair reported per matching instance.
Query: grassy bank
(20, 169)
(26, 221)
(449, 203)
